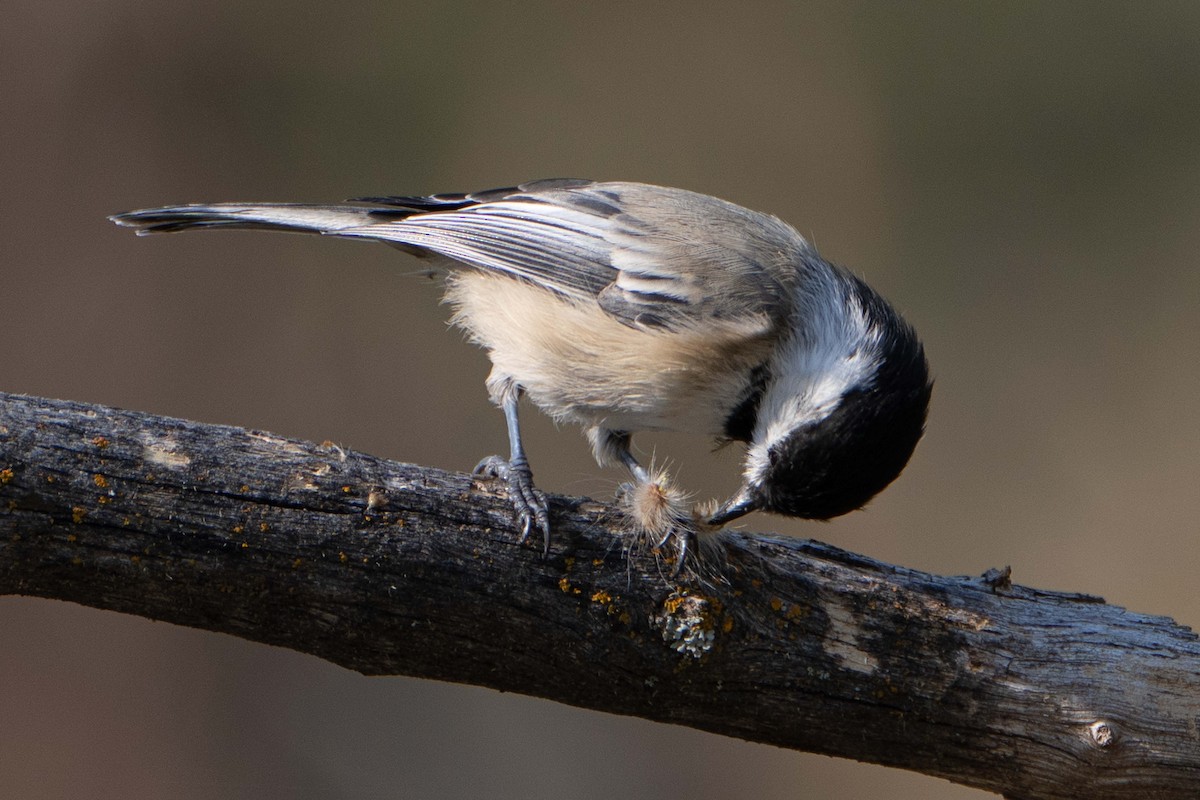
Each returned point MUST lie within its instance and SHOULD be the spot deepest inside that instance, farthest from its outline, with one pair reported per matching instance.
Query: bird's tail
(293, 217)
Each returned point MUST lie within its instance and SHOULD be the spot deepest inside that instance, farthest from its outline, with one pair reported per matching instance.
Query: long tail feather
(293, 217)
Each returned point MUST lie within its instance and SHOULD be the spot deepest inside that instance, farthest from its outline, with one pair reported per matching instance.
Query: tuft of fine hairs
(659, 518)
(655, 509)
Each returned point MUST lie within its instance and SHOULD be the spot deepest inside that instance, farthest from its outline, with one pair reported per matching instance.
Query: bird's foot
(528, 502)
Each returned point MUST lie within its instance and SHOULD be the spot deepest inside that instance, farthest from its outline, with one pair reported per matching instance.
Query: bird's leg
(619, 444)
(528, 502)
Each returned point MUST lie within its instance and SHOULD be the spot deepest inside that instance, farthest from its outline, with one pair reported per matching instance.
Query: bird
(625, 307)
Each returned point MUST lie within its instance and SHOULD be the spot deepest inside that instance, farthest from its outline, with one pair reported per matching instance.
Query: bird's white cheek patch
(814, 373)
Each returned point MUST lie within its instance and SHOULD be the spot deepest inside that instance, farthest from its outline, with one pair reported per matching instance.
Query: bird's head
(839, 414)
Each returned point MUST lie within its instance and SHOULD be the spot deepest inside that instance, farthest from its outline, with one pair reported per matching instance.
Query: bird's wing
(650, 256)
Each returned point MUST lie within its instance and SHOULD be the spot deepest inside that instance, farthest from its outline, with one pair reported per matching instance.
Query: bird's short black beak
(737, 506)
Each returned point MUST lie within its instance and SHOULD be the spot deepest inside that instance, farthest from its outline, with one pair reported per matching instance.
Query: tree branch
(393, 569)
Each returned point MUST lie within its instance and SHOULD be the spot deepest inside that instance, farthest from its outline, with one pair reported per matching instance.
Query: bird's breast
(581, 365)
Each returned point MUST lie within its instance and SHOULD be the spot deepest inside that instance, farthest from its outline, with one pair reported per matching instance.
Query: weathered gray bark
(387, 568)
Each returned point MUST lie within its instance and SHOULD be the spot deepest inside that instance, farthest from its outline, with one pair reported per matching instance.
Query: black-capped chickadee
(626, 307)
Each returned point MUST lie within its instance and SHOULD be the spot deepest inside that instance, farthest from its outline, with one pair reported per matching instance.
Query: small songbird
(626, 307)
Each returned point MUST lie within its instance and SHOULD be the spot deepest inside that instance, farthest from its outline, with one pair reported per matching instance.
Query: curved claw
(684, 540)
(528, 503)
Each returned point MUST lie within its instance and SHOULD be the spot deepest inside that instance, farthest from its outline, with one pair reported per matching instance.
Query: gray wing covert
(649, 256)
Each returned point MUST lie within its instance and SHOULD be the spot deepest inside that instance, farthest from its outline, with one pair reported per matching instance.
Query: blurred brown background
(1021, 179)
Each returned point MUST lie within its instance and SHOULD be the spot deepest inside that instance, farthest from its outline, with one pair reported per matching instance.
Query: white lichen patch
(688, 624)
(163, 451)
(842, 641)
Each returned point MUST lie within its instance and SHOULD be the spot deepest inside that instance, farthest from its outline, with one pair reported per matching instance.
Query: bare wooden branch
(388, 568)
